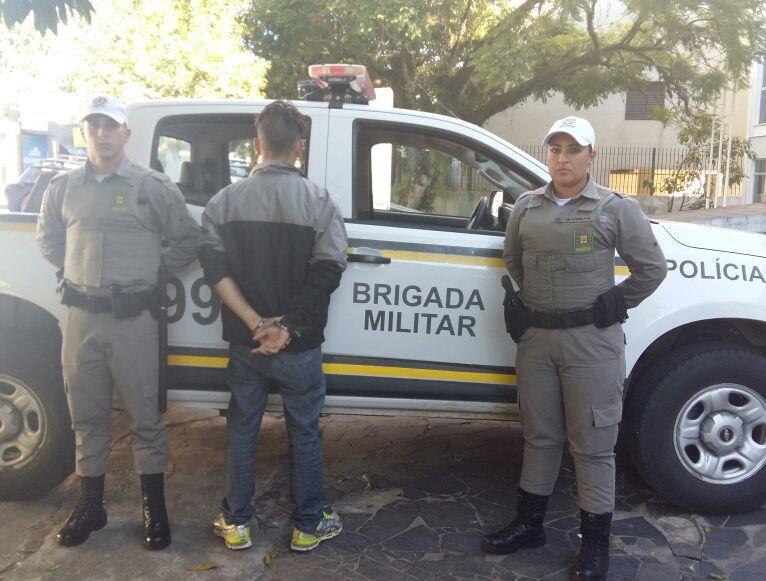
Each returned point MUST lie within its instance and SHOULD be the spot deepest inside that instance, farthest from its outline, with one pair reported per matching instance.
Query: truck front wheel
(36, 442)
(698, 428)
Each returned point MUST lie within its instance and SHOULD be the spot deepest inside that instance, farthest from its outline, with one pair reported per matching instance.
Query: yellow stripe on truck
(417, 373)
(460, 259)
(18, 226)
(364, 370)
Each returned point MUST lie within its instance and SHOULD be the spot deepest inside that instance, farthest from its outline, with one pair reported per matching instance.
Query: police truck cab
(416, 326)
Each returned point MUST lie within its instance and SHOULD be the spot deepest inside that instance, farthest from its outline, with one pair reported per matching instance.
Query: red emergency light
(327, 76)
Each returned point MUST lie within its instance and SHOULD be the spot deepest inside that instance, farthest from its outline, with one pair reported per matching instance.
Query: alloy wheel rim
(22, 423)
(720, 433)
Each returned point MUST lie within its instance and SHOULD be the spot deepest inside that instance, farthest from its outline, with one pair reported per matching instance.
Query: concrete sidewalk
(416, 496)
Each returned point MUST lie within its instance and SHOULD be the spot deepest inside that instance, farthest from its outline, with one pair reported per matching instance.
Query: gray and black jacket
(282, 239)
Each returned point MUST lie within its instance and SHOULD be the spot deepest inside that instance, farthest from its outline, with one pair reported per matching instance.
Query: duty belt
(560, 320)
(122, 305)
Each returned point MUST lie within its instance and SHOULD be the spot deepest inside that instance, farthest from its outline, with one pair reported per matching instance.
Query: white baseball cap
(577, 127)
(109, 106)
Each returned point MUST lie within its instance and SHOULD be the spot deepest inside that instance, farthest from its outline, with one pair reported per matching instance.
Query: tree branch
(589, 23)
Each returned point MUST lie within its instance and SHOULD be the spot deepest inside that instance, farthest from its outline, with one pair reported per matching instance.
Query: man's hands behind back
(271, 337)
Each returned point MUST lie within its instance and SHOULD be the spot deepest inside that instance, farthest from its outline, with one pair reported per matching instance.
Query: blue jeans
(301, 384)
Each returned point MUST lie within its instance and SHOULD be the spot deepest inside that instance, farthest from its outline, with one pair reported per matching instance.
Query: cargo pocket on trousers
(608, 415)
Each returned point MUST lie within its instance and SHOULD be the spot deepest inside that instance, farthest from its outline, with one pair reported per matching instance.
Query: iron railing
(635, 170)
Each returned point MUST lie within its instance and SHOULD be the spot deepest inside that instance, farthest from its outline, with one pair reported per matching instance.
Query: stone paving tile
(637, 527)
(448, 513)
(623, 567)
(462, 542)
(568, 523)
(418, 539)
(655, 572)
(707, 570)
(537, 563)
(750, 572)
(491, 515)
(723, 543)
(751, 518)
(439, 484)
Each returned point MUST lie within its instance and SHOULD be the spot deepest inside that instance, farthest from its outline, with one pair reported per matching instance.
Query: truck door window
(205, 153)
(406, 175)
(171, 153)
(241, 159)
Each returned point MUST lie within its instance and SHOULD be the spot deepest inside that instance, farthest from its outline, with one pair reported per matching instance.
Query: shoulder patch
(158, 175)
(528, 194)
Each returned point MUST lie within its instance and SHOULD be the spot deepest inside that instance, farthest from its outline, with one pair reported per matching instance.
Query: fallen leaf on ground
(205, 567)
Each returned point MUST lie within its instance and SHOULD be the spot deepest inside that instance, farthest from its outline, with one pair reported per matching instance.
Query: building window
(759, 193)
(640, 104)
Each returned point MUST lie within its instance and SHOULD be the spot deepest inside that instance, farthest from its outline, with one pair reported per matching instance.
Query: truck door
(419, 310)
(204, 148)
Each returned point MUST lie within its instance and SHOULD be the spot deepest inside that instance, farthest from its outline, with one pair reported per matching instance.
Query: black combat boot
(592, 562)
(526, 530)
(89, 514)
(156, 525)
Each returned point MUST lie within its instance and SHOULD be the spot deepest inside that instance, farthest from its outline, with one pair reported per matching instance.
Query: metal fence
(634, 170)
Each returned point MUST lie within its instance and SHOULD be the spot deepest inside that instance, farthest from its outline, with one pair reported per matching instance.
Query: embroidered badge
(119, 203)
(583, 239)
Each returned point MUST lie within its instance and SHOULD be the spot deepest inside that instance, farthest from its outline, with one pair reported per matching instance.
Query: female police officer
(560, 250)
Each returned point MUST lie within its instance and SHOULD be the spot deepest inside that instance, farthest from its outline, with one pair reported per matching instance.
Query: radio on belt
(337, 84)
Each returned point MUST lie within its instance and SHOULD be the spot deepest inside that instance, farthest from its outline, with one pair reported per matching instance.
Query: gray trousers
(570, 390)
(101, 354)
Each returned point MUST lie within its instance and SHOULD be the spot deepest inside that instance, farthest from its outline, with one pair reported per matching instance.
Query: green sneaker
(329, 527)
(236, 536)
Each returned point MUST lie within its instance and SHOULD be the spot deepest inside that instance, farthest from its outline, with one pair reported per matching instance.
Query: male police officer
(103, 226)
(560, 250)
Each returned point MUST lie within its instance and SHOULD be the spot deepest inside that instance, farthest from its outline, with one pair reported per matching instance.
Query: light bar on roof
(326, 75)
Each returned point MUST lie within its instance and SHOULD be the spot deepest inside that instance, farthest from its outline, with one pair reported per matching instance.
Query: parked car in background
(238, 170)
(26, 195)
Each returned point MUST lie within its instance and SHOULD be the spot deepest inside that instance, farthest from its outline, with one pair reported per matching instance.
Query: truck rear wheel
(36, 441)
(697, 426)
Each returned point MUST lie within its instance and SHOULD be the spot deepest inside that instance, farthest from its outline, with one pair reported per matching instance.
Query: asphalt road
(415, 495)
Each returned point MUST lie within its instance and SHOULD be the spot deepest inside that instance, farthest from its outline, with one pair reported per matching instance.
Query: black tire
(51, 459)
(688, 380)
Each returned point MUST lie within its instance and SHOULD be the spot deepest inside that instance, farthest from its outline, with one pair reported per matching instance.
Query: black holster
(127, 305)
(516, 320)
(610, 308)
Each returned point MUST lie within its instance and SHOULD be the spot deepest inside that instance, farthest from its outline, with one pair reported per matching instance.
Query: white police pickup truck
(416, 326)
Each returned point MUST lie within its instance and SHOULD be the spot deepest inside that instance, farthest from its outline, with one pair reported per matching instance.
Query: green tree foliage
(46, 13)
(479, 57)
(134, 50)
(687, 182)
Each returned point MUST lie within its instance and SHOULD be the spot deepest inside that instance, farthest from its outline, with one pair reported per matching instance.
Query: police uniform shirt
(111, 230)
(562, 256)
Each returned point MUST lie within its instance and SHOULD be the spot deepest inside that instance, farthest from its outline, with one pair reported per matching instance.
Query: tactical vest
(113, 235)
(567, 264)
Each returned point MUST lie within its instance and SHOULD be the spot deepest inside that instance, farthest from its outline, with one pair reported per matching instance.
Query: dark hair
(280, 126)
